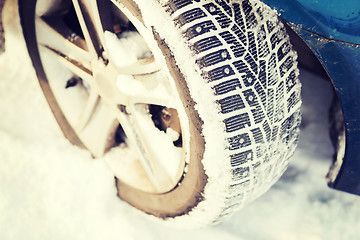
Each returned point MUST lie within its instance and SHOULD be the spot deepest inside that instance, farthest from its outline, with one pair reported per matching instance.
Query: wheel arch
(333, 53)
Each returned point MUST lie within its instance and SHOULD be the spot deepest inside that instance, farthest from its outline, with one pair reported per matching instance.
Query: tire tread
(252, 68)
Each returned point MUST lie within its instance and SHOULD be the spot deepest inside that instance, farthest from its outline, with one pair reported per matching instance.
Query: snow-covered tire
(237, 77)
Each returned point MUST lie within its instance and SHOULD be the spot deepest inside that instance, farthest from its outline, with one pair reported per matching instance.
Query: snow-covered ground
(50, 189)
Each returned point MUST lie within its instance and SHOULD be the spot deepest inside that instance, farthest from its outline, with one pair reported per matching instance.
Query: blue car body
(331, 29)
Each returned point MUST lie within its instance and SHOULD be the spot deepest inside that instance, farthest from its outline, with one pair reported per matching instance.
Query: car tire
(236, 78)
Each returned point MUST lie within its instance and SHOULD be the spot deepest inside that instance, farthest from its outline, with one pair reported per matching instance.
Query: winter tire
(217, 78)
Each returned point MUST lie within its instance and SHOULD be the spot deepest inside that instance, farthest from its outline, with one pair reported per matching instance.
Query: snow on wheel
(193, 103)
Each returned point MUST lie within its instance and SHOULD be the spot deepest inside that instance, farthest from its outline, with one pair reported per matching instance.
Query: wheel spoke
(85, 13)
(79, 70)
(62, 42)
(89, 109)
(148, 151)
(119, 89)
(145, 89)
(98, 133)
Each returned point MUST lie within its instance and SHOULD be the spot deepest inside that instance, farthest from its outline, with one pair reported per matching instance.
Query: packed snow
(50, 189)
(129, 42)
